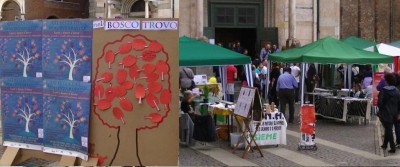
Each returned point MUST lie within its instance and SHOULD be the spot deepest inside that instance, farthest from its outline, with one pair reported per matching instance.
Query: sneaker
(392, 151)
(398, 145)
(383, 147)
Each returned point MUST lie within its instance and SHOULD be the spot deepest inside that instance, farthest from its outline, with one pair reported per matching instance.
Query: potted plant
(206, 92)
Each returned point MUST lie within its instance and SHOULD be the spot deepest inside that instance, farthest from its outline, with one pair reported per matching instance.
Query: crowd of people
(283, 82)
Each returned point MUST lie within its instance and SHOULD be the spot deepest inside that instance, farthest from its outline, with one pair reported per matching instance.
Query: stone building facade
(375, 20)
(134, 8)
(43, 9)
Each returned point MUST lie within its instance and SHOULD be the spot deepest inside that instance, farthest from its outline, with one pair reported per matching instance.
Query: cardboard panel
(115, 125)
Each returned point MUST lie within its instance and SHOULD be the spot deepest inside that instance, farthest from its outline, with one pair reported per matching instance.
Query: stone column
(199, 18)
(292, 19)
(146, 8)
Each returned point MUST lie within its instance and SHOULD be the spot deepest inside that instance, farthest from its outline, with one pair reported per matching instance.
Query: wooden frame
(13, 156)
(255, 105)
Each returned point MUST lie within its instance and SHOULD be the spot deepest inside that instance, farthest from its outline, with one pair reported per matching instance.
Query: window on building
(225, 15)
(246, 16)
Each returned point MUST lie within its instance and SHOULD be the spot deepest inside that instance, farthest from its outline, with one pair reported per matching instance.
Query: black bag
(204, 129)
(193, 85)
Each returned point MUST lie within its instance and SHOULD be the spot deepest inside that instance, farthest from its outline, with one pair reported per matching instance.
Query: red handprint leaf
(110, 95)
(152, 101)
(140, 92)
(155, 47)
(162, 68)
(110, 58)
(126, 105)
(118, 114)
(121, 76)
(148, 68)
(152, 77)
(138, 44)
(154, 87)
(125, 48)
(134, 72)
(128, 85)
(154, 117)
(129, 61)
(148, 56)
(104, 104)
(99, 91)
(165, 97)
(120, 91)
(106, 77)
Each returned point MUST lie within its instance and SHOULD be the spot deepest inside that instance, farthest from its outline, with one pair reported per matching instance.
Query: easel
(250, 98)
(13, 156)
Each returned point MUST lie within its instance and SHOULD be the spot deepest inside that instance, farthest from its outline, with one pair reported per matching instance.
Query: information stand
(249, 100)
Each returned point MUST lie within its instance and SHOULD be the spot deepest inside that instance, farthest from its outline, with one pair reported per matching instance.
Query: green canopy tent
(328, 51)
(359, 43)
(197, 53)
(193, 52)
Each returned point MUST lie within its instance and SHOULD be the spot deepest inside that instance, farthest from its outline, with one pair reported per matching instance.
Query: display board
(378, 76)
(249, 100)
(135, 81)
(66, 109)
(22, 110)
(21, 48)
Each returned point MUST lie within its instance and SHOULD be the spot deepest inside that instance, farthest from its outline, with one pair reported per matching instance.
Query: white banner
(122, 25)
(160, 25)
(272, 130)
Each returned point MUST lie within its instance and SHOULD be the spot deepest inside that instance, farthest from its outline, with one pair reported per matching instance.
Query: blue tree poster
(22, 112)
(21, 48)
(67, 49)
(66, 110)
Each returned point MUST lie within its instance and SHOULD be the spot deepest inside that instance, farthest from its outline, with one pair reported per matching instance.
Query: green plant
(206, 91)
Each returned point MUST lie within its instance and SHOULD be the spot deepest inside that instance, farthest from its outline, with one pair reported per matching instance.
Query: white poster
(272, 130)
(244, 101)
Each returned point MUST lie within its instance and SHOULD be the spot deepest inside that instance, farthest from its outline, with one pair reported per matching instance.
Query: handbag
(193, 85)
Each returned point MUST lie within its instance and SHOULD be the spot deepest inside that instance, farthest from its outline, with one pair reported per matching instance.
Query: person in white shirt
(296, 73)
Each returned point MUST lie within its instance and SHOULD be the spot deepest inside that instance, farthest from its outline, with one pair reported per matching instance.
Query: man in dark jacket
(389, 106)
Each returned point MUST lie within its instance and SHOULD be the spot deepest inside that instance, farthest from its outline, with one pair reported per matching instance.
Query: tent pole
(250, 75)
(267, 80)
(222, 74)
(303, 71)
(345, 77)
(349, 78)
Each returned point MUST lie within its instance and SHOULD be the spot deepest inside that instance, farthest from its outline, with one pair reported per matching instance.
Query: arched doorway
(10, 11)
(136, 9)
(52, 17)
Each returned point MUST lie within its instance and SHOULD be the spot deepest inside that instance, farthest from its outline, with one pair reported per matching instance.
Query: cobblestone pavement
(353, 135)
(190, 157)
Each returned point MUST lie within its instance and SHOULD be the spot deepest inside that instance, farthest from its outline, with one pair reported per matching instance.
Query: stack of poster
(21, 96)
(67, 50)
(22, 111)
(54, 116)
